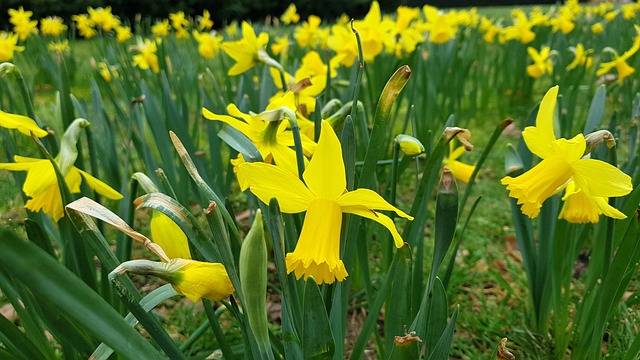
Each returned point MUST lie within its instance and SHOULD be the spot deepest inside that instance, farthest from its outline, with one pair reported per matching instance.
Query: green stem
(356, 89)
(212, 317)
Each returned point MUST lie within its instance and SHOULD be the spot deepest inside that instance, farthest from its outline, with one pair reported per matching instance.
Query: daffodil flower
(248, 51)
(460, 170)
(41, 183)
(562, 162)
(541, 62)
(581, 58)
(8, 46)
(620, 63)
(324, 197)
(290, 15)
(272, 138)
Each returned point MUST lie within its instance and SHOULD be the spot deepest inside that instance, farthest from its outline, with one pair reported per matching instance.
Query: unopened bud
(409, 145)
(598, 137)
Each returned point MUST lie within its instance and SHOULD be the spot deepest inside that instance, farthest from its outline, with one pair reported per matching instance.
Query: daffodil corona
(324, 197)
(563, 163)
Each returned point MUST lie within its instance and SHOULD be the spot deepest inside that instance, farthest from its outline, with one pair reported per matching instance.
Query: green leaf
(382, 127)
(16, 342)
(148, 303)
(596, 110)
(71, 297)
(437, 308)
(317, 338)
(444, 343)
(399, 304)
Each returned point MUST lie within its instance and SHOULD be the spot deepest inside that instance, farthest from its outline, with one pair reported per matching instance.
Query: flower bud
(409, 145)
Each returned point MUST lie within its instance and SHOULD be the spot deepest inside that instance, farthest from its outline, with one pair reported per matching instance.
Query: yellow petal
(460, 170)
(542, 134)
(267, 181)
(100, 187)
(539, 183)
(599, 178)
(325, 175)
(379, 218)
(233, 122)
(197, 279)
(368, 199)
(22, 123)
(169, 236)
(285, 158)
(318, 250)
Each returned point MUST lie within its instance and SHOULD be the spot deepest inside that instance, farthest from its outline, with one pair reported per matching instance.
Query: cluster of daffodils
(565, 165)
(398, 35)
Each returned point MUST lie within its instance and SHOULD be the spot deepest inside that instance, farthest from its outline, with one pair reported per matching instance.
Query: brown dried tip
(447, 179)
(406, 339)
(506, 123)
(503, 352)
(301, 85)
(211, 208)
(463, 135)
(138, 100)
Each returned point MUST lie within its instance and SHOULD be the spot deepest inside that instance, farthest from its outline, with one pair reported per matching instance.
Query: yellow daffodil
(564, 22)
(107, 72)
(562, 161)
(161, 28)
(147, 58)
(441, 27)
(409, 145)
(290, 15)
(21, 123)
(404, 37)
(248, 51)
(178, 20)
(541, 62)
(84, 25)
(208, 44)
(103, 18)
(204, 21)
(22, 23)
(123, 33)
(271, 138)
(324, 197)
(52, 25)
(580, 208)
(629, 11)
(59, 47)
(312, 68)
(520, 30)
(199, 279)
(581, 57)
(597, 28)
(41, 184)
(460, 170)
(8, 46)
(620, 63)
(19, 16)
(310, 35)
(281, 46)
(374, 32)
(344, 44)
(169, 236)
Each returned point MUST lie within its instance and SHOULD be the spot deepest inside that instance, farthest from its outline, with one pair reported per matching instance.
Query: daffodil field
(304, 184)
